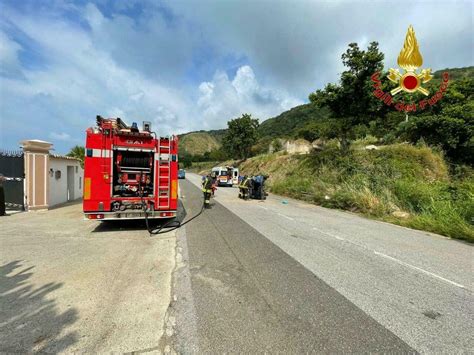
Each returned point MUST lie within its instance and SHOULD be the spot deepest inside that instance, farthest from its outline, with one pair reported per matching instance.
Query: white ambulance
(226, 175)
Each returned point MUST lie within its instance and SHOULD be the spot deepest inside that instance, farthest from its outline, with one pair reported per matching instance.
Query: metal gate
(12, 167)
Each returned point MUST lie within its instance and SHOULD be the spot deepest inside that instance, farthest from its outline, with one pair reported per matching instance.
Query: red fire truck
(127, 169)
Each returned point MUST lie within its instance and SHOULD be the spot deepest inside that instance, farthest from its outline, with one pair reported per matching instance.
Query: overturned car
(253, 187)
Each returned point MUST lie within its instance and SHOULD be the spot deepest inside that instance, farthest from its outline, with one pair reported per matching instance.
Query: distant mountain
(197, 143)
(456, 73)
(283, 125)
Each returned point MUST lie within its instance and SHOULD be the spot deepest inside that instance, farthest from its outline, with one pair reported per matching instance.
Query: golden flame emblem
(410, 59)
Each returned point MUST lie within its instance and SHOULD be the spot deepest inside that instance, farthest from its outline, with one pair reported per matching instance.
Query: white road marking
(263, 208)
(329, 234)
(419, 269)
(392, 258)
(338, 237)
(291, 219)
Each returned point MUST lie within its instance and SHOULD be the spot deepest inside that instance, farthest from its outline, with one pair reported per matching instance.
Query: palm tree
(77, 152)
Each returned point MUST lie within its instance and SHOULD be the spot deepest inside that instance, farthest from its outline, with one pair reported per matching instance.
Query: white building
(50, 179)
(65, 179)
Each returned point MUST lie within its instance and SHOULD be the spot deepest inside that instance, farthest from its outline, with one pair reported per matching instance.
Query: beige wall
(36, 178)
(36, 173)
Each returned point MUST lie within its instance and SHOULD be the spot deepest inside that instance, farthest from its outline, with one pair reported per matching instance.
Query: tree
(453, 135)
(241, 135)
(311, 131)
(261, 146)
(351, 102)
(77, 152)
(218, 155)
(277, 145)
(185, 159)
(449, 124)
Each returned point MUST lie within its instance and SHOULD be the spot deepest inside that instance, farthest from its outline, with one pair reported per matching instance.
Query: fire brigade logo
(410, 80)
(410, 60)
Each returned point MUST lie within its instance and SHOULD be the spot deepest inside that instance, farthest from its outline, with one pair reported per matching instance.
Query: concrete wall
(58, 186)
(300, 146)
(36, 189)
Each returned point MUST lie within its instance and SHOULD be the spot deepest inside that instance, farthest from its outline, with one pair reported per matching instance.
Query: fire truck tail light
(87, 188)
(167, 214)
(95, 216)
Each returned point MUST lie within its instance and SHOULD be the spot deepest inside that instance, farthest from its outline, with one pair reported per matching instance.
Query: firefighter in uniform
(207, 190)
(214, 183)
(244, 188)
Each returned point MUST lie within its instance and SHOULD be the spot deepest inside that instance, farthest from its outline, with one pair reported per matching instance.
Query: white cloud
(146, 44)
(223, 99)
(9, 51)
(80, 81)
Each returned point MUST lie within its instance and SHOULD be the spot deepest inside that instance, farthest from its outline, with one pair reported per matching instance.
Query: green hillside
(285, 124)
(289, 122)
(198, 143)
(456, 73)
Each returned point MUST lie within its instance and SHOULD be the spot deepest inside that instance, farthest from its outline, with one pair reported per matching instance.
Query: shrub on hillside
(453, 135)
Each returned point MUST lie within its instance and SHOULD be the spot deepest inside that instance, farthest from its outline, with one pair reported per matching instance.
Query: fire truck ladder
(106, 159)
(164, 174)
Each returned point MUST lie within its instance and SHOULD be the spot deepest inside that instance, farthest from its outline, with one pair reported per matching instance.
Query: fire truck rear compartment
(133, 176)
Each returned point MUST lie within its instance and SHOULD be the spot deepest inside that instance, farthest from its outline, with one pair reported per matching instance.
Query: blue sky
(190, 65)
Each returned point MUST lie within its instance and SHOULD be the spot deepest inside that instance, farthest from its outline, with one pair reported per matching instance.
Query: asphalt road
(72, 285)
(245, 276)
(285, 276)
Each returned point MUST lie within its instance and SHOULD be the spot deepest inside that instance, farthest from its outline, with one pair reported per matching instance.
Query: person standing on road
(207, 190)
(244, 188)
(214, 183)
(2, 196)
